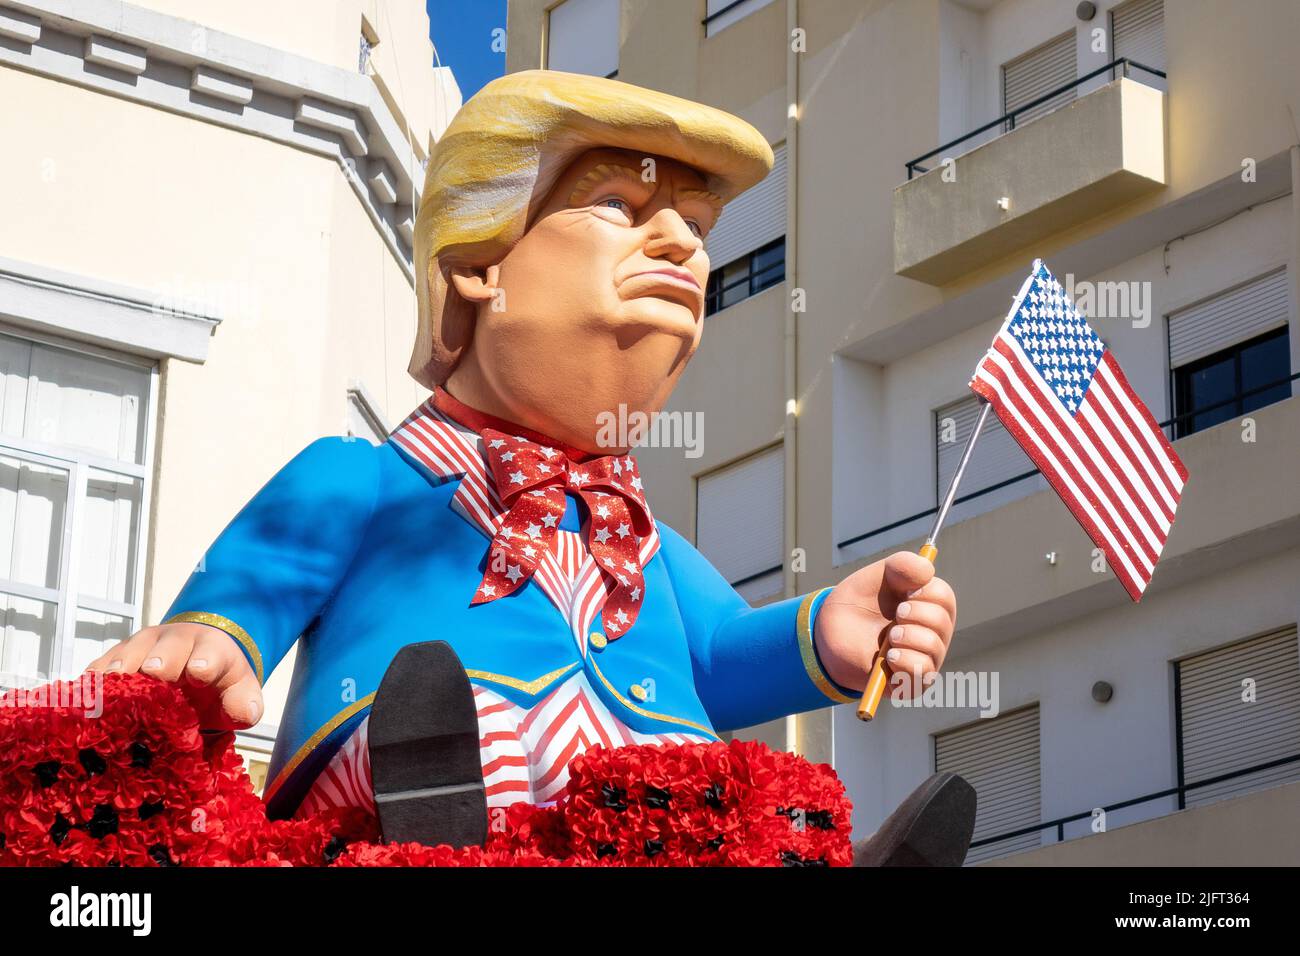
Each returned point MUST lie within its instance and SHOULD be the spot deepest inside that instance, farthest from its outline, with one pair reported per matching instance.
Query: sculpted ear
(476, 285)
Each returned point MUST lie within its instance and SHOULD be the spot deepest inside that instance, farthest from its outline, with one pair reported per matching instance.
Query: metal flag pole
(876, 683)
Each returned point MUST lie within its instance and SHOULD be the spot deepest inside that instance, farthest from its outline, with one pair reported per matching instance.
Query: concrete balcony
(1103, 150)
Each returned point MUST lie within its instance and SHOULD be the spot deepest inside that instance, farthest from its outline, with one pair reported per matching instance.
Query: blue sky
(462, 32)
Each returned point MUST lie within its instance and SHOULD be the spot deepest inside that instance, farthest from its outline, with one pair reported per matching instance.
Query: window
(999, 757)
(720, 14)
(996, 457)
(255, 745)
(1230, 354)
(747, 246)
(74, 466)
(1220, 733)
(1137, 32)
(748, 275)
(582, 37)
(1036, 74)
(739, 522)
(369, 40)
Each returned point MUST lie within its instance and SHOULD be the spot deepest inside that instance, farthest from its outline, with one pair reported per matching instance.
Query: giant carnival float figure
(491, 572)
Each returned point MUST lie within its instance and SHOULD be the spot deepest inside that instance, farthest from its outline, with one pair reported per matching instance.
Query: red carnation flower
(139, 785)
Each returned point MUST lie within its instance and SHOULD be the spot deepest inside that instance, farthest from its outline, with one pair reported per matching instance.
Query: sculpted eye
(620, 205)
(695, 229)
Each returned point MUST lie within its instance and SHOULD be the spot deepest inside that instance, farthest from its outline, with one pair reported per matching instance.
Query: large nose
(670, 238)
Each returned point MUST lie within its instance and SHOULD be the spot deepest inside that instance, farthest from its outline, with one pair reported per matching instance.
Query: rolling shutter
(1137, 32)
(739, 517)
(1221, 733)
(999, 758)
(996, 456)
(1037, 73)
(583, 37)
(1234, 316)
(752, 220)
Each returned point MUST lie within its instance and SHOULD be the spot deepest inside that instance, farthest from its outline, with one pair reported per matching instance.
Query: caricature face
(599, 304)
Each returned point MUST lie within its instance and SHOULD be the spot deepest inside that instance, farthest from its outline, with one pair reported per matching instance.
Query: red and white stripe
(1110, 462)
(525, 751)
(568, 575)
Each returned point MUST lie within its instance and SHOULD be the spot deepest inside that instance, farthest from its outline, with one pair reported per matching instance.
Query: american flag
(1061, 394)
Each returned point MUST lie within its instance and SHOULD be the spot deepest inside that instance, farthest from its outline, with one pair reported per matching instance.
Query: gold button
(637, 691)
(597, 640)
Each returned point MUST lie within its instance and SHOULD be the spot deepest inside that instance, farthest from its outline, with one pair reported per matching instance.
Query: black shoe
(424, 750)
(932, 827)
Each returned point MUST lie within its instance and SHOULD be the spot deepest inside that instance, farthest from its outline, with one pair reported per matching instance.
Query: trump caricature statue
(494, 568)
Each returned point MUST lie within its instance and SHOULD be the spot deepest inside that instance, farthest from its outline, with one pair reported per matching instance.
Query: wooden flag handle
(879, 679)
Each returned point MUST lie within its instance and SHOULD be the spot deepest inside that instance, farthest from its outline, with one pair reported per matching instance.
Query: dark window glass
(746, 276)
(1264, 364)
(1232, 382)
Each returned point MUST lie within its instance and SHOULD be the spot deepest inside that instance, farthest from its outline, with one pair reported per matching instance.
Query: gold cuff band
(803, 626)
(230, 627)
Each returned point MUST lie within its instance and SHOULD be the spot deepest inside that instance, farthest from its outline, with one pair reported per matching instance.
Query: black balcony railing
(722, 12)
(1171, 424)
(1008, 120)
(1180, 792)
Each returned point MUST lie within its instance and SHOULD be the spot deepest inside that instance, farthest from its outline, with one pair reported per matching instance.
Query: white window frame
(79, 463)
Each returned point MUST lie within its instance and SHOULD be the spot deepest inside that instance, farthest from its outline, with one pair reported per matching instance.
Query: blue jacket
(356, 549)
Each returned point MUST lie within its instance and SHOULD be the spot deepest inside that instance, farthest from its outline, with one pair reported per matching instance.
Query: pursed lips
(680, 276)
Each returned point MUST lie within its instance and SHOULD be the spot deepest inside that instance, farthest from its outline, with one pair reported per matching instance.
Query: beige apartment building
(205, 264)
(927, 152)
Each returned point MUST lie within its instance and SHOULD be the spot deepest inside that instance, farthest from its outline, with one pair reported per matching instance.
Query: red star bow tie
(531, 480)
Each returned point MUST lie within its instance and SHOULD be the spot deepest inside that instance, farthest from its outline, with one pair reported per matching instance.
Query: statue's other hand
(204, 660)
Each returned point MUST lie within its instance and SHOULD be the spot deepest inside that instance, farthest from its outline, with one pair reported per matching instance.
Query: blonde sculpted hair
(503, 152)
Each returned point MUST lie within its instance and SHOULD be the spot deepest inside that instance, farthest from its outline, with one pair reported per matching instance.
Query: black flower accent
(151, 808)
(141, 755)
(92, 762)
(657, 798)
(47, 773)
(158, 853)
(615, 797)
(791, 858)
(715, 843)
(713, 796)
(819, 820)
(60, 829)
(334, 849)
(654, 847)
(102, 822)
(605, 849)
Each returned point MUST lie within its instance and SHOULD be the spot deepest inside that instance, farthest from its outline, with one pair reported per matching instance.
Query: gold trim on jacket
(230, 627)
(803, 627)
